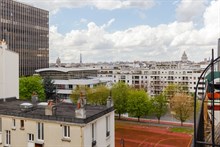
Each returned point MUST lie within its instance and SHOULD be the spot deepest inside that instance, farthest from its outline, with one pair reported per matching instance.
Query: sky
(131, 30)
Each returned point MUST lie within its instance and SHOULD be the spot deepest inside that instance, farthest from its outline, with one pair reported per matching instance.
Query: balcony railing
(206, 131)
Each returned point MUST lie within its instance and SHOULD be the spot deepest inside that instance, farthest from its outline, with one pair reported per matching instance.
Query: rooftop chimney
(50, 109)
(109, 102)
(80, 111)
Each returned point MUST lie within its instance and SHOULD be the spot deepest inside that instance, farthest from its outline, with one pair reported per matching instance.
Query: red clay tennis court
(148, 136)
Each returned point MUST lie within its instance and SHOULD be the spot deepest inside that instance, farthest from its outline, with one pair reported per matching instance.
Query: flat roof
(79, 81)
(65, 111)
(62, 69)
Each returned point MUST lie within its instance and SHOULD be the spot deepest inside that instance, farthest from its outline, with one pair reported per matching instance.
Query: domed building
(58, 62)
(184, 57)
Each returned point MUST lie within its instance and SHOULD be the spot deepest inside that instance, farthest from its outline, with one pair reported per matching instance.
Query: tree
(182, 106)
(138, 103)
(28, 85)
(49, 87)
(120, 97)
(97, 95)
(160, 107)
(172, 89)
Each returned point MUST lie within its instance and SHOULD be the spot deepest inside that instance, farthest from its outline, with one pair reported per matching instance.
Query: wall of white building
(9, 73)
(80, 134)
(100, 132)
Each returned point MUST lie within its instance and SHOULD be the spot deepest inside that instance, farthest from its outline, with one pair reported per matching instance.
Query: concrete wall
(9, 73)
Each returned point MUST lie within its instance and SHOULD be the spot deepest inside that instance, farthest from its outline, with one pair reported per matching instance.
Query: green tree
(138, 103)
(120, 97)
(28, 85)
(49, 87)
(159, 106)
(98, 95)
(182, 105)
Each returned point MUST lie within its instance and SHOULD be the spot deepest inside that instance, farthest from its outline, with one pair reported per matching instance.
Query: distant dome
(184, 57)
(58, 62)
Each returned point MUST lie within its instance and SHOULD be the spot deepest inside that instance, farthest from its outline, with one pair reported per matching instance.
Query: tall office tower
(26, 31)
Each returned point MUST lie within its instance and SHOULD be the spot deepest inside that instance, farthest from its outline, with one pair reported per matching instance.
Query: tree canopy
(182, 106)
(49, 87)
(138, 103)
(120, 97)
(159, 106)
(172, 89)
(30, 85)
(97, 95)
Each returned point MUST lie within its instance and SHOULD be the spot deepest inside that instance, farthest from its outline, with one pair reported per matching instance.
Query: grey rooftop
(65, 112)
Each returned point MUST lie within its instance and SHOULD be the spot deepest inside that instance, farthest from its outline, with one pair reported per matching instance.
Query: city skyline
(119, 30)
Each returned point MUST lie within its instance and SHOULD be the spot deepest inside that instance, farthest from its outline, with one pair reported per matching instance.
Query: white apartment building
(156, 76)
(155, 80)
(9, 72)
(25, 124)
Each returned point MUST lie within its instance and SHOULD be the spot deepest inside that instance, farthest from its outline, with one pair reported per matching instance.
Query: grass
(182, 130)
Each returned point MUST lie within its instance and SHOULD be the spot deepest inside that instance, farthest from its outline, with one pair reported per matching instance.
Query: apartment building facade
(26, 30)
(41, 126)
(154, 80)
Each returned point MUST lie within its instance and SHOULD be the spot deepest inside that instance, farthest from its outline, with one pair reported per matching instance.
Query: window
(107, 126)
(22, 124)
(40, 131)
(13, 123)
(0, 124)
(93, 134)
(30, 137)
(8, 137)
(66, 131)
(93, 131)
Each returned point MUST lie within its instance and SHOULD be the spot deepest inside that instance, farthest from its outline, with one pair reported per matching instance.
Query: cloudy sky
(128, 30)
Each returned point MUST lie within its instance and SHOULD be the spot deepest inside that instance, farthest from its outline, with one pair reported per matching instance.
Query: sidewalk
(155, 121)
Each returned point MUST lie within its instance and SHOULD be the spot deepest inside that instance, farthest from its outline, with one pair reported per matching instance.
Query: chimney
(34, 97)
(109, 102)
(218, 54)
(50, 109)
(80, 111)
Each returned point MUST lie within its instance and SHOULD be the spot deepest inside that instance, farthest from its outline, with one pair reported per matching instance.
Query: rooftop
(65, 111)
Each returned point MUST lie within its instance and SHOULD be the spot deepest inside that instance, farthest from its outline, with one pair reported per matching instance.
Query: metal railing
(199, 122)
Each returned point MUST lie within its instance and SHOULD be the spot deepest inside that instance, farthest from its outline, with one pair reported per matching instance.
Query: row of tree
(138, 103)
(126, 99)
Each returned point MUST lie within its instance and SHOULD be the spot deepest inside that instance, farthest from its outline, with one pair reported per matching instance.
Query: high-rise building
(26, 31)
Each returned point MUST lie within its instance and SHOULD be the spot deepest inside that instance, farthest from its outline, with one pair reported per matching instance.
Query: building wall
(26, 30)
(100, 132)
(9, 76)
(80, 134)
(53, 133)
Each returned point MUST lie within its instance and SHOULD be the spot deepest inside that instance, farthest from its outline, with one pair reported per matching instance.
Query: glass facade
(26, 31)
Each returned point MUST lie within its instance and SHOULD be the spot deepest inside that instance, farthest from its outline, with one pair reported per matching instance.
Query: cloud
(143, 42)
(55, 5)
(190, 10)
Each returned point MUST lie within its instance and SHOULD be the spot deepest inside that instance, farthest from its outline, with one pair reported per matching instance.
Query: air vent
(42, 105)
(26, 107)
